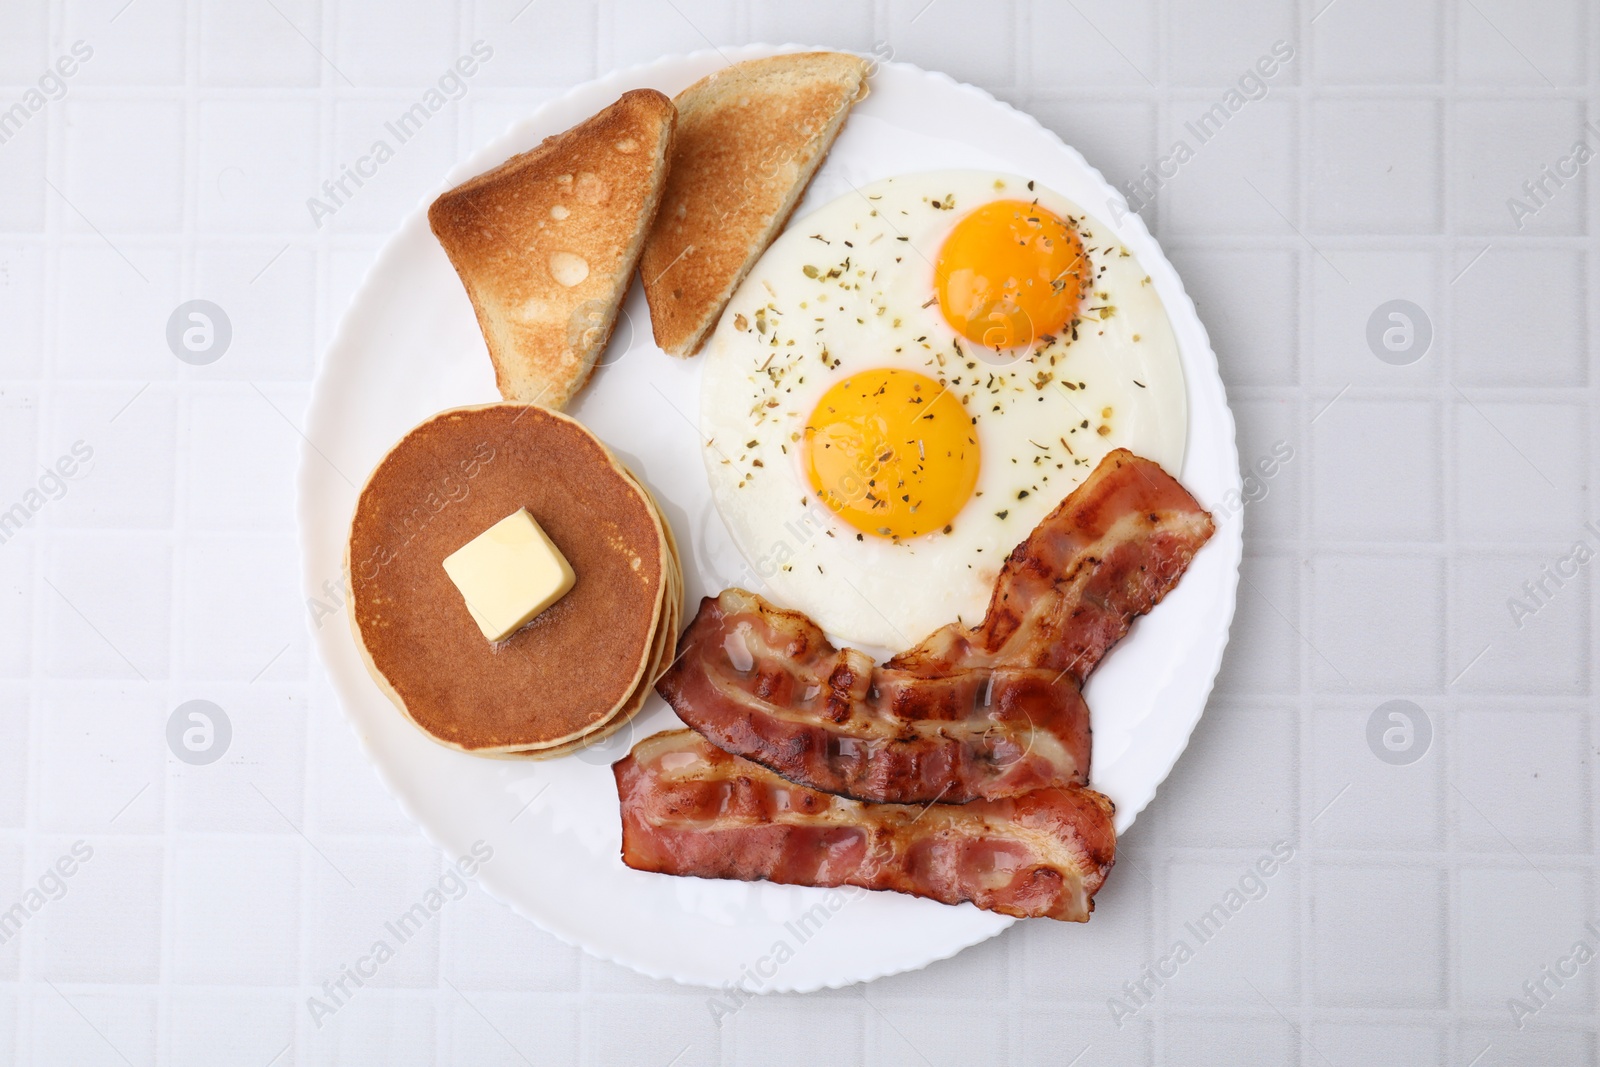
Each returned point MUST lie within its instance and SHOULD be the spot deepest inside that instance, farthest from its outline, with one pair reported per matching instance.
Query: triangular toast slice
(749, 139)
(547, 242)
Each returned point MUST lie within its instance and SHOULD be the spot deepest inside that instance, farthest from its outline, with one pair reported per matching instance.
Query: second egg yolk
(1009, 272)
(891, 452)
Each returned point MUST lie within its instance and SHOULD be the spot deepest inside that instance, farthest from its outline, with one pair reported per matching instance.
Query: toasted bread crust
(750, 137)
(547, 242)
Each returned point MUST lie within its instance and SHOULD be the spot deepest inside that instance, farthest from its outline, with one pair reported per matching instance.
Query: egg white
(846, 289)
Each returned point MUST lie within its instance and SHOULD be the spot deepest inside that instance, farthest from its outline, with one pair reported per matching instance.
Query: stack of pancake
(581, 668)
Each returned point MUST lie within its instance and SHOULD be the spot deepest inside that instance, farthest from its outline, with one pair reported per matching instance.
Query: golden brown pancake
(576, 668)
(666, 650)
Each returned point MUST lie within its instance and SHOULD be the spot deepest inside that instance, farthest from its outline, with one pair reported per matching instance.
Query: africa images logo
(51, 85)
(451, 85)
(1253, 84)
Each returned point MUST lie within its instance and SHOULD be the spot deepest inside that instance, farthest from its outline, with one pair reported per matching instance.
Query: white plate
(409, 346)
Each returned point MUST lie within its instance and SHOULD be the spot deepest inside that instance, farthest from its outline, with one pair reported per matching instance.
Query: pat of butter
(508, 574)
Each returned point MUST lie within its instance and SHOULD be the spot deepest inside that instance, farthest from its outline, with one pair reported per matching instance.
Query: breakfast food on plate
(749, 139)
(987, 711)
(580, 667)
(661, 658)
(899, 390)
(957, 769)
(766, 684)
(689, 808)
(911, 378)
(1113, 549)
(547, 242)
(508, 574)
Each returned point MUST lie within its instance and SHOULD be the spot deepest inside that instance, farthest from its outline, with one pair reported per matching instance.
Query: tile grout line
(28, 962)
(1443, 341)
(1591, 395)
(327, 95)
(1305, 972)
(1592, 408)
(178, 574)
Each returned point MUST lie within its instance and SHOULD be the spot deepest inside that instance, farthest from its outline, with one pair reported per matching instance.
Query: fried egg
(911, 378)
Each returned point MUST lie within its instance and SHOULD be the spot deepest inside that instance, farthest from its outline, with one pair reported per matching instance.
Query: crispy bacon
(1106, 555)
(689, 808)
(766, 683)
(980, 712)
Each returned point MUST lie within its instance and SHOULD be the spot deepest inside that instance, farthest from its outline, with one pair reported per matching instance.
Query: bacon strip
(766, 683)
(981, 712)
(689, 808)
(1109, 553)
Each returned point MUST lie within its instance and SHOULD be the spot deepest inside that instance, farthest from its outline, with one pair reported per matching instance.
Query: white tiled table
(177, 163)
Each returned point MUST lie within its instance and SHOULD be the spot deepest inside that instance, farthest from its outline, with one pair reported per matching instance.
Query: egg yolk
(891, 452)
(1009, 272)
